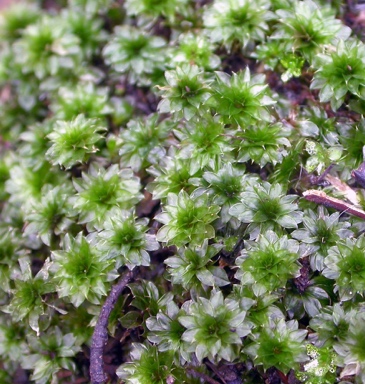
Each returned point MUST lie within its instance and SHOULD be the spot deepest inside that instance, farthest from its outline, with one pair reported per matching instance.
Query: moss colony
(175, 139)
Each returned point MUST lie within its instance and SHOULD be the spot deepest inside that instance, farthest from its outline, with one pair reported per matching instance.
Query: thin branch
(100, 336)
(320, 197)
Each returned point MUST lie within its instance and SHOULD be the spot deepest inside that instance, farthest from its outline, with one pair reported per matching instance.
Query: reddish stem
(100, 336)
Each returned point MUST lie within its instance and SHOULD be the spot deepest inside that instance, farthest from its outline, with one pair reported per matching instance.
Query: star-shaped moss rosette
(166, 331)
(52, 215)
(81, 271)
(143, 141)
(339, 72)
(195, 49)
(241, 99)
(185, 93)
(28, 302)
(321, 231)
(345, 263)
(279, 344)
(187, 220)
(203, 141)
(135, 53)
(262, 143)
(100, 190)
(124, 239)
(237, 21)
(214, 327)
(265, 206)
(305, 27)
(150, 366)
(47, 48)
(351, 351)
(266, 264)
(74, 141)
(49, 354)
(225, 185)
(194, 268)
(87, 28)
(172, 175)
(85, 99)
(26, 184)
(331, 325)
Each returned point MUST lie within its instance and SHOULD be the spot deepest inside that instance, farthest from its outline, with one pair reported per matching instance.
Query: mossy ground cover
(196, 168)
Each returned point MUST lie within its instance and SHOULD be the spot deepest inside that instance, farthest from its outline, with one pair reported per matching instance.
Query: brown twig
(320, 197)
(100, 335)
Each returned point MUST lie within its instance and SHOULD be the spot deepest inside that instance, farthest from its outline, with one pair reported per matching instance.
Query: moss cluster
(175, 139)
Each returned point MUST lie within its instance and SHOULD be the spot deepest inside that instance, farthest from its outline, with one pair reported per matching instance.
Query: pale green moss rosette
(214, 327)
